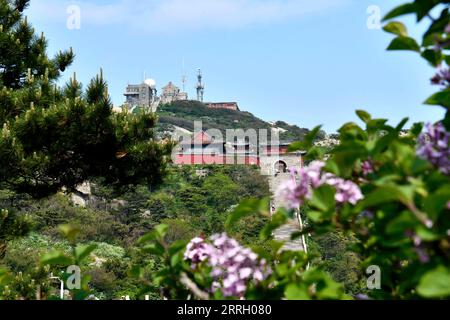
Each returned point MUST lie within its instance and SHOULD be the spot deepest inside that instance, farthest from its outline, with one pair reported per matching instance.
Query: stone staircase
(283, 234)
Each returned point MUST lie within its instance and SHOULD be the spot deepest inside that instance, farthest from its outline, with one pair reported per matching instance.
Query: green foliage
(11, 226)
(290, 278)
(59, 260)
(434, 44)
(18, 42)
(434, 284)
(60, 137)
(307, 143)
(401, 225)
(113, 221)
(54, 138)
(402, 196)
(335, 255)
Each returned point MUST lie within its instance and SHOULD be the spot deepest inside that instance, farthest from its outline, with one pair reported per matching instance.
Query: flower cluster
(233, 266)
(346, 191)
(433, 146)
(441, 78)
(418, 247)
(293, 194)
(296, 191)
(367, 168)
(197, 251)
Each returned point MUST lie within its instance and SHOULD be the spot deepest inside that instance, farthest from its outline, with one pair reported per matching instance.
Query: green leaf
(3, 275)
(307, 142)
(423, 7)
(296, 292)
(396, 28)
(326, 288)
(154, 248)
(441, 98)
(416, 129)
(385, 194)
(330, 289)
(161, 230)
(177, 246)
(406, 8)
(435, 203)
(401, 223)
(364, 116)
(56, 258)
(447, 59)
(246, 208)
(347, 154)
(351, 129)
(437, 27)
(278, 219)
(434, 57)
(69, 232)
(323, 199)
(150, 236)
(404, 43)
(83, 251)
(435, 283)
(175, 260)
(376, 124)
(401, 124)
(156, 234)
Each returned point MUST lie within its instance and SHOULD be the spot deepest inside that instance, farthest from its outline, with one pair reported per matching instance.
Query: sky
(304, 62)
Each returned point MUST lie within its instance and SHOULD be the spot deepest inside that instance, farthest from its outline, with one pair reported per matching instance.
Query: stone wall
(268, 163)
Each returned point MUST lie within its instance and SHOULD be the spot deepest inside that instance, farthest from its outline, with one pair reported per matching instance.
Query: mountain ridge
(182, 114)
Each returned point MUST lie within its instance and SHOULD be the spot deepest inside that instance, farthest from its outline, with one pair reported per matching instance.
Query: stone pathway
(283, 234)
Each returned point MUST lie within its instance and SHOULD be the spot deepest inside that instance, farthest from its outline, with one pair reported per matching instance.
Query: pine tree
(53, 138)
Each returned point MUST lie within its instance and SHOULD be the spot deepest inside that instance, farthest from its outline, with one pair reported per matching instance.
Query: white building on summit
(142, 95)
(172, 93)
(145, 95)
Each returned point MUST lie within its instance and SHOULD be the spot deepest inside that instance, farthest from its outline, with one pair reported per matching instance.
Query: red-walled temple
(204, 150)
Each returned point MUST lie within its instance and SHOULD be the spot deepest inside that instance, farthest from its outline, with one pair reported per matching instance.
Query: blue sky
(301, 61)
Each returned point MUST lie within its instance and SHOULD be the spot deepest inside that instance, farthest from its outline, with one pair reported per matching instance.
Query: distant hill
(182, 114)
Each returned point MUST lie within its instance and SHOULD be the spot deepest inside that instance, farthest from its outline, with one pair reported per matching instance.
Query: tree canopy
(53, 137)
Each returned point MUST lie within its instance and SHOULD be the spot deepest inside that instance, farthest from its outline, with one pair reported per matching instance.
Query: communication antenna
(200, 87)
(184, 77)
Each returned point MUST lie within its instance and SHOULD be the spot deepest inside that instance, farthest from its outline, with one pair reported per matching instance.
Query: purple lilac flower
(346, 191)
(233, 266)
(197, 251)
(367, 168)
(433, 146)
(367, 214)
(295, 193)
(423, 255)
(448, 205)
(441, 78)
(294, 171)
(314, 173)
(361, 296)
(418, 246)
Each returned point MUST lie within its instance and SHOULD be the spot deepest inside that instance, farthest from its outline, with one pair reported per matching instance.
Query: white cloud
(181, 15)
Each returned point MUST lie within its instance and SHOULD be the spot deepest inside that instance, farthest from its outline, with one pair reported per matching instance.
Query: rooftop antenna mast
(200, 86)
(184, 78)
